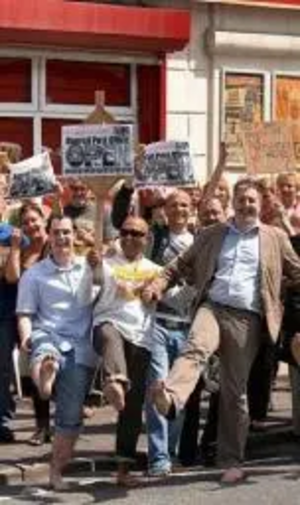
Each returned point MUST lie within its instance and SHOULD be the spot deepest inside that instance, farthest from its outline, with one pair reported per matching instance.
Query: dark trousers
(261, 379)
(128, 363)
(189, 440)
(41, 409)
(8, 340)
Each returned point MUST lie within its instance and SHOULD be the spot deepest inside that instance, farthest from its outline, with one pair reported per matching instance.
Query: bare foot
(233, 475)
(57, 483)
(48, 372)
(88, 412)
(115, 395)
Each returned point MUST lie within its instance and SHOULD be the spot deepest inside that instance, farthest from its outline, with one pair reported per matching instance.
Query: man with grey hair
(237, 269)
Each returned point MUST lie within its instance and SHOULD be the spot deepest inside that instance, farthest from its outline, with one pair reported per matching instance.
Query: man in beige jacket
(237, 268)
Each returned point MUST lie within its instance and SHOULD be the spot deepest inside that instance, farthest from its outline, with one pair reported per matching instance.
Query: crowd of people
(190, 298)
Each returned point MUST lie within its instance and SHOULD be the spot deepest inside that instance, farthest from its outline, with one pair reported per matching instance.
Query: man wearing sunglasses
(122, 330)
(172, 320)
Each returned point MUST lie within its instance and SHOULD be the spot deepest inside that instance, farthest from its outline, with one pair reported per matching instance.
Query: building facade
(241, 66)
(56, 54)
(180, 69)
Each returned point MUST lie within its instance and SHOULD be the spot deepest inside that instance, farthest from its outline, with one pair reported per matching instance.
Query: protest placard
(97, 150)
(31, 177)
(269, 148)
(166, 163)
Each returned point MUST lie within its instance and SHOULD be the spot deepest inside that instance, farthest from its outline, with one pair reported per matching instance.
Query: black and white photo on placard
(166, 163)
(32, 177)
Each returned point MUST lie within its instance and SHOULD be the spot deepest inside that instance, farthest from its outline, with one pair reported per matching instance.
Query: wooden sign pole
(99, 188)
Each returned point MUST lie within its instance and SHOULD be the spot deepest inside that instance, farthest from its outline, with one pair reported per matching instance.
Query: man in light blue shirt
(237, 278)
(55, 313)
(237, 270)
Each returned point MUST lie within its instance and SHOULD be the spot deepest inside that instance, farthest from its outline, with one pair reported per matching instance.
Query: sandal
(40, 437)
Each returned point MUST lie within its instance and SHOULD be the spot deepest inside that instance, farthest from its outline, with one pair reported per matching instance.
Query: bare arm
(13, 265)
(25, 329)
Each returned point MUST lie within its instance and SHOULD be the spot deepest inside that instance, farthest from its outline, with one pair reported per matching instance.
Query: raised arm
(121, 205)
(12, 270)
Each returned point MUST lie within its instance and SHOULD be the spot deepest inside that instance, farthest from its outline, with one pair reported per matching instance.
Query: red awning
(271, 4)
(85, 25)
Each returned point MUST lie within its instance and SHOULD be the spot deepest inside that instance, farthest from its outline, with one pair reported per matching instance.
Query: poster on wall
(32, 177)
(243, 105)
(89, 150)
(287, 107)
(269, 148)
(166, 163)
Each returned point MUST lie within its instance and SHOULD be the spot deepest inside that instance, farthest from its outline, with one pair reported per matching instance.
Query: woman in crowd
(33, 225)
(222, 193)
(287, 187)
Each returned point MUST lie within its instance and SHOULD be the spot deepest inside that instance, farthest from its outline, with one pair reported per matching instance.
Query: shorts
(71, 386)
(42, 348)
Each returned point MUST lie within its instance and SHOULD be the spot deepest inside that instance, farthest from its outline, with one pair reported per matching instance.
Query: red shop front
(55, 54)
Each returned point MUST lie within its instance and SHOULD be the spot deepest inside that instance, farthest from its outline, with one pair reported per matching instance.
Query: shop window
(18, 130)
(15, 82)
(51, 138)
(243, 103)
(287, 106)
(75, 82)
(148, 84)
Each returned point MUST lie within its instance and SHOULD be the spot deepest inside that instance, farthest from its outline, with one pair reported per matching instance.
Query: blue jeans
(71, 387)
(163, 435)
(8, 340)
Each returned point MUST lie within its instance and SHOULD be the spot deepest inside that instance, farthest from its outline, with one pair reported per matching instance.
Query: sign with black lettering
(165, 163)
(92, 150)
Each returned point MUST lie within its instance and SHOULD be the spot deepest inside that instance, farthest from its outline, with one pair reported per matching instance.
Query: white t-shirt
(119, 302)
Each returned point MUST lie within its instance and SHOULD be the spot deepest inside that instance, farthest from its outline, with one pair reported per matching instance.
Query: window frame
(38, 109)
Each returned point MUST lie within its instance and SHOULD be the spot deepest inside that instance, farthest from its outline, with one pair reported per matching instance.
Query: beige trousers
(237, 334)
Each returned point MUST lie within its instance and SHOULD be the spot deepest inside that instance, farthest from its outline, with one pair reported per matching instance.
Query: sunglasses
(132, 233)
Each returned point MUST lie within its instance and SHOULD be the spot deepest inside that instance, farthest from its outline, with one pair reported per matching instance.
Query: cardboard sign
(269, 148)
(32, 177)
(166, 163)
(94, 150)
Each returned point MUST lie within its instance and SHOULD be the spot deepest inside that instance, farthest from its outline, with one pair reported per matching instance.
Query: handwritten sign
(31, 177)
(93, 150)
(269, 148)
(166, 163)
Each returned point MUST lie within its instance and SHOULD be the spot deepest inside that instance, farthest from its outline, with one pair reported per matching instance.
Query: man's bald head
(136, 223)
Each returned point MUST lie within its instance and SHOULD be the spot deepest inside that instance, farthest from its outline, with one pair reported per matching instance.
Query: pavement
(267, 451)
